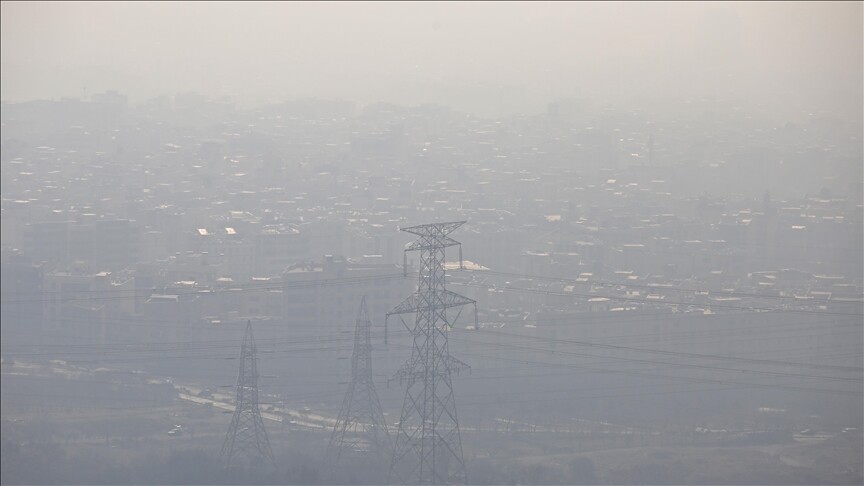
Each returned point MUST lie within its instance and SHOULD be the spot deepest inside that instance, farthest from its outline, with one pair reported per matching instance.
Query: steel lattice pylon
(246, 437)
(360, 425)
(428, 447)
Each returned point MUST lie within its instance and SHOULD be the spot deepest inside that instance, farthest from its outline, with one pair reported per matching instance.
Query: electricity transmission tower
(360, 426)
(428, 446)
(246, 438)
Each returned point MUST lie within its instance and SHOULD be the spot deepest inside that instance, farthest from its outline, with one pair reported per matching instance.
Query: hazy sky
(797, 54)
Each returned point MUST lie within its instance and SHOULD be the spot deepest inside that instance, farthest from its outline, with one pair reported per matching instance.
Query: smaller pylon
(360, 426)
(246, 438)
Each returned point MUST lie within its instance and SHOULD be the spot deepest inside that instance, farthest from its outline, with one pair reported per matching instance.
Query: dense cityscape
(706, 263)
(431, 243)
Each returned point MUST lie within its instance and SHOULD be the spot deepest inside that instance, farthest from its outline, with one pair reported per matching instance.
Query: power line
(665, 363)
(54, 350)
(124, 294)
(682, 378)
(655, 302)
(673, 353)
(659, 288)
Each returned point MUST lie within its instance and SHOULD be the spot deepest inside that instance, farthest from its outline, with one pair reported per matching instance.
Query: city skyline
(490, 58)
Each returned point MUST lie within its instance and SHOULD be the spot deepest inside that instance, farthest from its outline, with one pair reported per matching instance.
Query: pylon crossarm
(407, 306)
(456, 319)
(431, 244)
(455, 365)
(406, 371)
(401, 374)
(452, 299)
(442, 229)
(443, 299)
